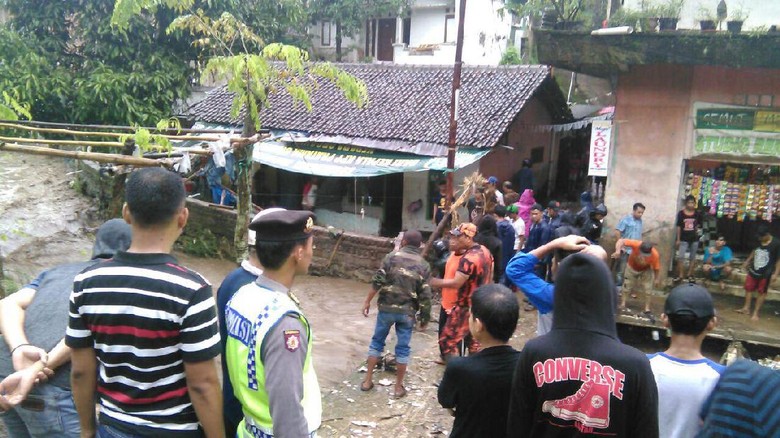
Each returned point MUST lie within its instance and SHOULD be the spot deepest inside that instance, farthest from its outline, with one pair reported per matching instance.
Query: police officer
(268, 346)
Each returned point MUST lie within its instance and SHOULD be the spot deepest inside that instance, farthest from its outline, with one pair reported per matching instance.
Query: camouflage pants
(456, 330)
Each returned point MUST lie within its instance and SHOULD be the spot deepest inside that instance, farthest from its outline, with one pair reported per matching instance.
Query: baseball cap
(511, 209)
(691, 299)
(555, 205)
(500, 210)
(493, 180)
(466, 228)
(646, 248)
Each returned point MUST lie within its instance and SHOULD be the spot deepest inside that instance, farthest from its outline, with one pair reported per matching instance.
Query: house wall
(761, 12)
(522, 137)
(416, 187)
(352, 48)
(485, 35)
(654, 134)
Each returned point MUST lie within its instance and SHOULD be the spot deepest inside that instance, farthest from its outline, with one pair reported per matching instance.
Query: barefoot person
(762, 266)
(643, 270)
(688, 224)
(717, 262)
(402, 285)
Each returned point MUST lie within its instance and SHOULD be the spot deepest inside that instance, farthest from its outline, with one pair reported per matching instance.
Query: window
(325, 33)
(537, 155)
(450, 28)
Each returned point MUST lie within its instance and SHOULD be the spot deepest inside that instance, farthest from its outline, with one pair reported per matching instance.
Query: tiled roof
(408, 104)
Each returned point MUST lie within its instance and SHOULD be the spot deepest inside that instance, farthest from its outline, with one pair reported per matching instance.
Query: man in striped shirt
(144, 330)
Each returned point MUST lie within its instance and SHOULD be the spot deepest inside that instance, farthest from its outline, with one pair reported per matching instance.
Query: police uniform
(268, 346)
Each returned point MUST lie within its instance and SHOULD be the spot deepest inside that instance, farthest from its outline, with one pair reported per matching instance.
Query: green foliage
(738, 13)
(65, 59)
(591, 12)
(670, 8)
(10, 109)
(511, 56)
(203, 244)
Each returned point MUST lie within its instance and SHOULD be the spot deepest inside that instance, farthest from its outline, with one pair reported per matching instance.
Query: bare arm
(367, 303)
(618, 248)
(454, 283)
(83, 380)
(568, 243)
(206, 395)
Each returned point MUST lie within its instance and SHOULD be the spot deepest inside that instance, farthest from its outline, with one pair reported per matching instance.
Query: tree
(250, 74)
(349, 16)
(64, 59)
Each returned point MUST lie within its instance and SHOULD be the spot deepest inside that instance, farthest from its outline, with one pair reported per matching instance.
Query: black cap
(555, 205)
(646, 248)
(279, 225)
(690, 299)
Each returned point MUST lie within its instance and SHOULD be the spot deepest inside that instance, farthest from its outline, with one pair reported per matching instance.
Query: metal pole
(452, 144)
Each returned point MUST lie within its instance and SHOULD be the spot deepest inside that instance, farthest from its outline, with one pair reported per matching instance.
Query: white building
(426, 34)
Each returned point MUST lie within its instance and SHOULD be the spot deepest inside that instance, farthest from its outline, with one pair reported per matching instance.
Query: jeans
(403, 331)
(621, 268)
(58, 417)
(106, 431)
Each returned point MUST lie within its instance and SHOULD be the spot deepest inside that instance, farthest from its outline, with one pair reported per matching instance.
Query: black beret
(280, 225)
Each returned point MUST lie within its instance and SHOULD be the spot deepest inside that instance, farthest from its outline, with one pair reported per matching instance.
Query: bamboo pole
(103, 134)
(78, 155)
(122, 128)
(112, 144)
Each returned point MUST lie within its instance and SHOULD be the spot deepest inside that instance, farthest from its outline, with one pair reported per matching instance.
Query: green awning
(325, 159)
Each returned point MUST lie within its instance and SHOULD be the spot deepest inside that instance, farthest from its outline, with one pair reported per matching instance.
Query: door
(385, 39)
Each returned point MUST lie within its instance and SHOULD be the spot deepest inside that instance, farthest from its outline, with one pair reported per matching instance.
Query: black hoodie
(579, 379)
(487, 236)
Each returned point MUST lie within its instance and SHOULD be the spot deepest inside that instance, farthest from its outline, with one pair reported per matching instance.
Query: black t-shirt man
(688, 224)
(764, 259)
(477, 387)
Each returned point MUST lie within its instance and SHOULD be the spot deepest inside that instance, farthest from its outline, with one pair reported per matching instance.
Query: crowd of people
(132, 334)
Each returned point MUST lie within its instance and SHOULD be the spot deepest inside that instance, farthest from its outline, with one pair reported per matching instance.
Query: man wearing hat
(33, 322)
(519, 225)
(402, 285)
(684, 377)
(643, 270)
(248, 272)
(269, 340)
(493, 187)
(474, 270)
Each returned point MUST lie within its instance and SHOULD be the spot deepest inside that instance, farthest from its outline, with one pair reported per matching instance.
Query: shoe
(589, 405)
(676, 280)
(691, 280)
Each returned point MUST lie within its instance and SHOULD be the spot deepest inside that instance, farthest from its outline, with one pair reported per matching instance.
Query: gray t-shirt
(46, 318)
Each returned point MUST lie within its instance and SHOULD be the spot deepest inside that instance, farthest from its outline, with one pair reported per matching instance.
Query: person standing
(643, 271)
(510, 196)
(524, 178)
(524, 206)
(439, 202)
(143, 330)
(579, 379)
(248, 272)
(684, 377)
(629, 227)
(688, 224)
(33, 323)
(762, 265)
(402, 285)
(487, 236)
(449, 295)
(592, 226)
(717, 261)
(474, 270)
(519, 225)
(507, 235)
(493, 187)
(553, 217)
(269, 340)
(538, 234)
(476, 388)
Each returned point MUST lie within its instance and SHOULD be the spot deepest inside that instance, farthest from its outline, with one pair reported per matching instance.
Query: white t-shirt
(683, 386)
(499, 197)
(519, 225)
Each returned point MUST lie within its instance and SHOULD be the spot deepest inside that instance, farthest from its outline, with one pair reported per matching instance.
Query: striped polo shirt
(145, 316)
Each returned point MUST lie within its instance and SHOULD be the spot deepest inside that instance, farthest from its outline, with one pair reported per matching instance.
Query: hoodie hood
(488, 226)
(586, 199)
(584, 296)
(112, 237)
(527, 198)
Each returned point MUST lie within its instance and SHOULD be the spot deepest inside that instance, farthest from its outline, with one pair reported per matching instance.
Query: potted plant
(736, 18)
(707, 19)
(669, 13)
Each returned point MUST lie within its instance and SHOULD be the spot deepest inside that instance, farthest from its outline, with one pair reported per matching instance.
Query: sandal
(529, 307)
(366, 388)
(676, 280)
(397, 395)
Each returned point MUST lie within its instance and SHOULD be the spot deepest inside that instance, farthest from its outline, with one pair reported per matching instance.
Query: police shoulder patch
(292, 340)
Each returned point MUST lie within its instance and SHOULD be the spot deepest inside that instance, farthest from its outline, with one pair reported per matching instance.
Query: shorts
(756, 284)
(716, 273)
(637, 281)
(685, 247)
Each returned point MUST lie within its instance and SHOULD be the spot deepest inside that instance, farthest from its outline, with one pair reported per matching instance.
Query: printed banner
(600, 140)
(740, 119)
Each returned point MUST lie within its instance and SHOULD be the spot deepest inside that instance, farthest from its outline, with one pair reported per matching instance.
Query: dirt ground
(43, 222)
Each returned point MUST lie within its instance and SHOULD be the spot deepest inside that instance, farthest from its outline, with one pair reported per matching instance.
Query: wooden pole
(121, 128)
(78, 155)
(454, 101)
(105, 134)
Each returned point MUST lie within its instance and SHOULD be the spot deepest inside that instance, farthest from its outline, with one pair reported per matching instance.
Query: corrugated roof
(407, 104)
